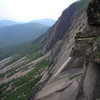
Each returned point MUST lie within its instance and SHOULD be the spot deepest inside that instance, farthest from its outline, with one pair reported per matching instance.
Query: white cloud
(25, 10)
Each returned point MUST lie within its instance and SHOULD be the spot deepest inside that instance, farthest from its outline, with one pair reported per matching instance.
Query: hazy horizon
(26, 21)
(28, 10)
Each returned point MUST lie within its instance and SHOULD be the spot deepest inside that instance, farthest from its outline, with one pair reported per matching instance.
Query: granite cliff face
(74, 68)
(59, 29)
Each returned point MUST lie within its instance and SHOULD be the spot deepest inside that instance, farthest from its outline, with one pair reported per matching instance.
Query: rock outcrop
(74, 69)
(93, 12)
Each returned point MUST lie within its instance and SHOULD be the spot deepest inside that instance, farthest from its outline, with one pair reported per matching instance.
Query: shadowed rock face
(93, 12)
(87, 46)
(87, 42)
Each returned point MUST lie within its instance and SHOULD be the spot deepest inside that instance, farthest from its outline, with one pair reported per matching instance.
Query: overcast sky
(27, 10)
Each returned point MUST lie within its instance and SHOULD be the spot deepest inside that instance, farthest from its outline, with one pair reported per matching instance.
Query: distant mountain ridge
(45, 21)
(20, 33)
(4, 23)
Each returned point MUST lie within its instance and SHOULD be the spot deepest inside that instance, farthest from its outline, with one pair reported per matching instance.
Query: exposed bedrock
(74, 69)
(90, 81)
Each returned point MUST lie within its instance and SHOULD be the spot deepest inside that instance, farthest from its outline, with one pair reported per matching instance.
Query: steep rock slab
(57, 31)
(78, 89)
